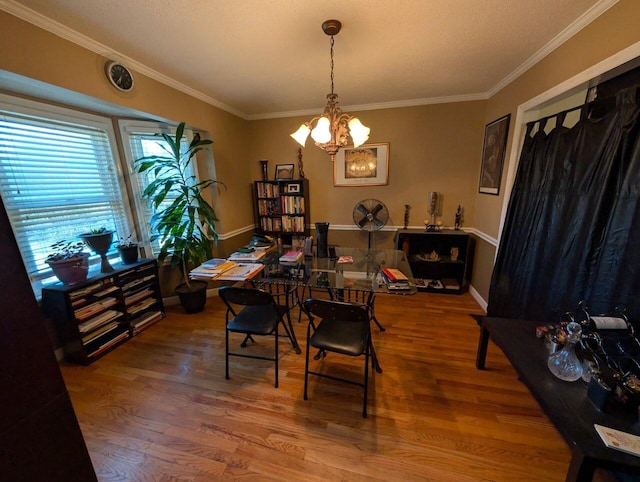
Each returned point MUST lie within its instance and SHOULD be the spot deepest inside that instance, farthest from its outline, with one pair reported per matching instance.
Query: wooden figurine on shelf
(458, 222)
(406, 215)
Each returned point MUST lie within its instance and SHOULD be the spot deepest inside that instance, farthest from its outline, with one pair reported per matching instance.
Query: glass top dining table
(361, 272)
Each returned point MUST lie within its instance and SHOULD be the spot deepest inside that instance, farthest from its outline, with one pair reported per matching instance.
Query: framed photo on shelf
(493, 151)
(284, 172)
(367, 165)
(293, 188)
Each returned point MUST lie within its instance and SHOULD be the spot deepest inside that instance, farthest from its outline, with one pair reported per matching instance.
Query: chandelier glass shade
(333, 129)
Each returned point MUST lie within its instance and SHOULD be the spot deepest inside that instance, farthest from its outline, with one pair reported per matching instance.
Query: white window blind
(140, 140)
(58, 179)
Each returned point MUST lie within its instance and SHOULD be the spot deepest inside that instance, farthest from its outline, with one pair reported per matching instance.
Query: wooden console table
(565, 403)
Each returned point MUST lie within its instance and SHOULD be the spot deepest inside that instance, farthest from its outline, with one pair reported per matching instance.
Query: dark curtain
(572, 231)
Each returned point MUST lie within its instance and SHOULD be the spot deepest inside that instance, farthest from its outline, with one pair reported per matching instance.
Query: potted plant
(99, 240)
(186, 227)
(128, 250)
(68, 262)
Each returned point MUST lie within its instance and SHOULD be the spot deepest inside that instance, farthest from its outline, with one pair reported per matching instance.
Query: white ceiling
(270, 58)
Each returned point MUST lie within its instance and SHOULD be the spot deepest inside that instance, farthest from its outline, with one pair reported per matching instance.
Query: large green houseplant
(186, 226)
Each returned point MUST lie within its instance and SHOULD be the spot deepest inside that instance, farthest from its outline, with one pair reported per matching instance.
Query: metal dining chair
(342, 328)
(253, 312)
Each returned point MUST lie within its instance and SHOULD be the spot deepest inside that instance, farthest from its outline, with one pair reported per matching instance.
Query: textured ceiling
(263, 58)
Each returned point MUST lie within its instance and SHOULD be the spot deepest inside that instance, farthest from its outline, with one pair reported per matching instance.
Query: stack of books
(250, 254)
(395, 279)
(291, 257)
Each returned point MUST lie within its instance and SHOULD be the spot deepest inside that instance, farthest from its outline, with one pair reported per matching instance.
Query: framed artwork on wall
(493, 151)
(284, 172)
(367, 165)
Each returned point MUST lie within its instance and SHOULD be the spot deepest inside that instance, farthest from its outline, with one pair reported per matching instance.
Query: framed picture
(367, 165)
(293, 188)
(284, 172)
(493, 150)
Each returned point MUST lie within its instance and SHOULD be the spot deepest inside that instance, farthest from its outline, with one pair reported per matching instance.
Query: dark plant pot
(71, 271)
(193, 299)
(128, 255)
(100, 244)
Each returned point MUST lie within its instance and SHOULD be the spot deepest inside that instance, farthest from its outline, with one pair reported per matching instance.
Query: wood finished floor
(159, 408)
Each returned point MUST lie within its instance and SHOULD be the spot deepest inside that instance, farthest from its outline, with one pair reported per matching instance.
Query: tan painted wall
(432, 148)
(613, 31)
(32, 52)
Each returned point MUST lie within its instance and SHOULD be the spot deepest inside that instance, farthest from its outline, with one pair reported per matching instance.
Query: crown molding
(77, 38)
(381, 105)
(581, 22)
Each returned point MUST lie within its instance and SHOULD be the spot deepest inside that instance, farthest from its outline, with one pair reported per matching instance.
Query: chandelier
(332, 129)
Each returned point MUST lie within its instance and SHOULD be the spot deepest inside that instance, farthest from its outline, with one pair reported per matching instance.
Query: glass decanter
(565, 364)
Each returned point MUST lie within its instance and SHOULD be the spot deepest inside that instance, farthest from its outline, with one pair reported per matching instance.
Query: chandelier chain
(332, 64)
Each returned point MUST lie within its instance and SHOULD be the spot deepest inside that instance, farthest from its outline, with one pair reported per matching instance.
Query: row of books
(270, 224)
(108, 344)
(90, 289)
(292, 204)
(268, 207)
(268, 190)
(132, 284)
(94, 308)
(293, 224)
(145, 321)
(100, 320)
(135, 297)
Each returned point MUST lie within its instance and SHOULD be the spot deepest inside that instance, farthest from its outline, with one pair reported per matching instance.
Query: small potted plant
(128, 250)
(99, 240)
(68, 262)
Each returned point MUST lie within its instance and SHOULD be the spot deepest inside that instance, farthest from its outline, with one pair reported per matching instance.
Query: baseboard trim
(476, 296)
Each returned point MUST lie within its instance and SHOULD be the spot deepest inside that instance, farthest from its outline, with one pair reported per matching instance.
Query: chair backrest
(245, 296)
(336, 310)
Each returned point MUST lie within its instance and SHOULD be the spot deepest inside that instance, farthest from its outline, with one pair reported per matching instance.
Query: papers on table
(233, 272)
(618, 440)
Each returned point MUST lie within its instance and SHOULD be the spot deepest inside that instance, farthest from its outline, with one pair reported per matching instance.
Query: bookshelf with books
(282, 208)
(441, 261)
(95, 316)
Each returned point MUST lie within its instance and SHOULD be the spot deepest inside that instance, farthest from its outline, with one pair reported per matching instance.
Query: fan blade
(375, 210)
(363, 221)
(362, 209)
(378, 222)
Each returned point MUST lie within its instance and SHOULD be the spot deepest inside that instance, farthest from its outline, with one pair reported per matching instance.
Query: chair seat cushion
(346, 337)
(255, 320)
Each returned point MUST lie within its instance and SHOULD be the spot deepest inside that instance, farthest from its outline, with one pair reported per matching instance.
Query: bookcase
(430, 257)
(281, 208)
(93, 317)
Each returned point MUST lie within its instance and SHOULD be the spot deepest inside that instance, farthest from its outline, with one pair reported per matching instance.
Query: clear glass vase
(565, 364)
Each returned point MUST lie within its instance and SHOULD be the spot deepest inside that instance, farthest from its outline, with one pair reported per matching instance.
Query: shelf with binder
(93, 317)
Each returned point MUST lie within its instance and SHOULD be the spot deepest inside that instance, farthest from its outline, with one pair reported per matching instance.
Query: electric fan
(370, 215)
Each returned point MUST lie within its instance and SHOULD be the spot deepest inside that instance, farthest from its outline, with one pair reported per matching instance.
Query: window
(58, 178)
(139, 140)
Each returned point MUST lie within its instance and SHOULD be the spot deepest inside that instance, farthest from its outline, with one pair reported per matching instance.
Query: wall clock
(119, 76)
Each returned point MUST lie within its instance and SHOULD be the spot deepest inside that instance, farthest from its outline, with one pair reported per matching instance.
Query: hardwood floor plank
(159, 408)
